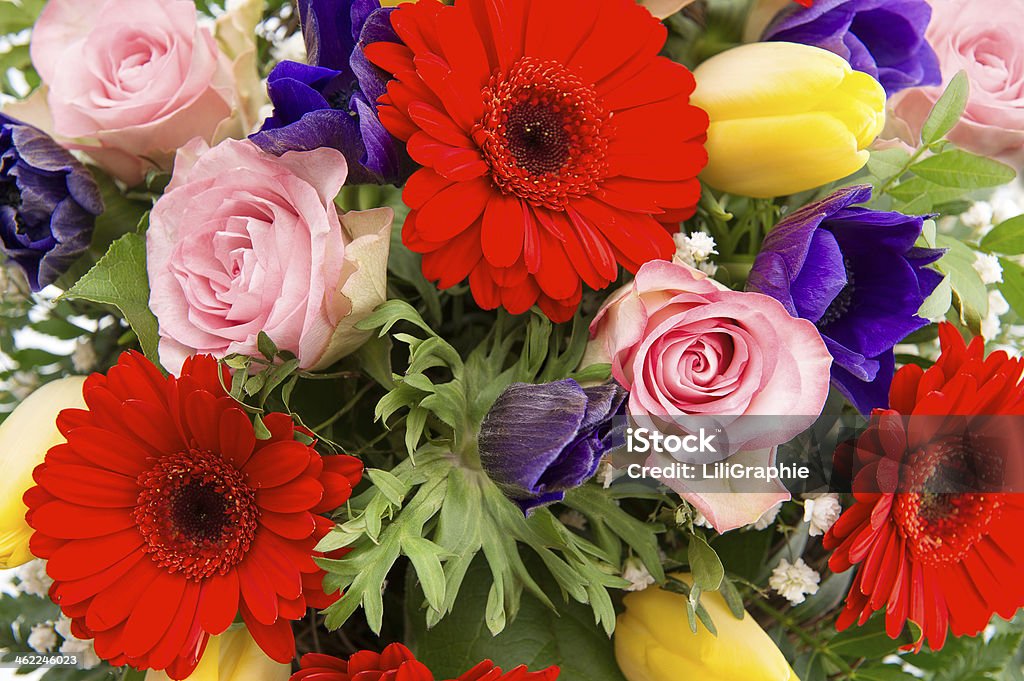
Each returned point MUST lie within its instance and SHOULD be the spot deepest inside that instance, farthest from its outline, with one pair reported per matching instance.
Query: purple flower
(332, 101)
(48, 203)
(538, 441)
(883, 38)
(857, 275)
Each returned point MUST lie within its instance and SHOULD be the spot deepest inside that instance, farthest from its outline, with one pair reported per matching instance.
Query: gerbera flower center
(939, 519)
(196, 513)
(544, 133)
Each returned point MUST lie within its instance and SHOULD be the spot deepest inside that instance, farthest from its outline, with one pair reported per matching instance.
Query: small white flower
(84, 357)
(637, 574)
(997, 307)
(822, 513)
(693, 249)
(794, 581)
(42, 639)
(988, 268)
(573, 518)
(33, 580)
(606, 473)
(700, 521)
(978, 216)
(707, 267)
(292, 48)
(84, 650)
(1005, 206)
(768, 518)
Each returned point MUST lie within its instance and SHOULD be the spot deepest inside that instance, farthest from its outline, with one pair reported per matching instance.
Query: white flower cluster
(84, 358)
(33, 580)
(794, 581)
(1005, 203)
(83, 649)
(768, 518)
(696, 250)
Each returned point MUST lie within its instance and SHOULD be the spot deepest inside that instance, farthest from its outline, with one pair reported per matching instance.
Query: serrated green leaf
(425, 556)
(948, 109)
(963, 171)
(120, 279)
(1006, 238)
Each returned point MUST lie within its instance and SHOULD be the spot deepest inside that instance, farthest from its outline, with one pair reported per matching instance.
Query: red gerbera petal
(521, 113)
(163, 517)
(925, 552)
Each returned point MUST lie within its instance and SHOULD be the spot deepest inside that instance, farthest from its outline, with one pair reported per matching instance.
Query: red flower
(805, 3)
(554, 139)
(397, 663)
(945, 560)
(163, 517)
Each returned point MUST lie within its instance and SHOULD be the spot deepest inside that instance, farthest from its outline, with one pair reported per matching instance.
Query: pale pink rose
(243, 241)
(688, 348)
(981, 37)
(131, 81)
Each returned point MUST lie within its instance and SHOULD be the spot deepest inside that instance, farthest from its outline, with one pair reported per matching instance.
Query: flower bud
(25, 437)
(785, 118)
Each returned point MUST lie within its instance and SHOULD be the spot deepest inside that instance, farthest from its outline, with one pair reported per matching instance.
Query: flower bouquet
(511, 339)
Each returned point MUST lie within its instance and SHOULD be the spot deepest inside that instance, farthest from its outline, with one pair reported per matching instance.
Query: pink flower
(243, 242)
(686, 346)
(131, 81)
(981, 37)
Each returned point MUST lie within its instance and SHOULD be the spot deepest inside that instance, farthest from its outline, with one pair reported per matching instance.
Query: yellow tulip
(653, 642)
(233, 656)
(785, 118)
(25, 437)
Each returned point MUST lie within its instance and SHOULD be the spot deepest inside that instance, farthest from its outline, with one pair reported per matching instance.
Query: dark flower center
(939, 519)
(338, 93)
(843, 301)
(544, 133)
(537, 138)
(10, 194)
(197, 514)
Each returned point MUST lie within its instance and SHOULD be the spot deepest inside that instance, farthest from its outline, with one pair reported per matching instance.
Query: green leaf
(1012, 286)
(705, 565)
(266, 346)
(919, 195)
(389, 485)
(871, 641)
(958, 263)
(119, 279)
(947, 110)
(962, 170)
(537, 638)
(887, 672)
(1006, 237)
(887, 163)
(938, 303)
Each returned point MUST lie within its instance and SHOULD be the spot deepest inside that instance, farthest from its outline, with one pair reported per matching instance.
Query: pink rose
(981, 37)
(686, 346)
(243, 242)
(131, 81)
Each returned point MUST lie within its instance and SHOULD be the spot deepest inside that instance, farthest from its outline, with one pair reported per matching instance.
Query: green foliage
(538, 637)
(119, 279)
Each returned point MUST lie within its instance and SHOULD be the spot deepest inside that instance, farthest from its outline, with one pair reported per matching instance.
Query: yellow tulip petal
(25, 437)
(766, 157)
(767, 79)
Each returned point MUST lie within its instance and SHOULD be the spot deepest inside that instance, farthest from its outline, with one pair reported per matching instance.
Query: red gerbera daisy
(945, 560)
(162, 517)
(397, 663)
(554, 139)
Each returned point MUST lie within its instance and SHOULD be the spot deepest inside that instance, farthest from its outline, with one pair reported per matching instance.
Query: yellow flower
(25, 437)
(233, 656)
(785, 118)
(653, 642)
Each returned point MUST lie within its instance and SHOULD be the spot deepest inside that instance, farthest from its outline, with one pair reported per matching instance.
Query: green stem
(903, 169)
